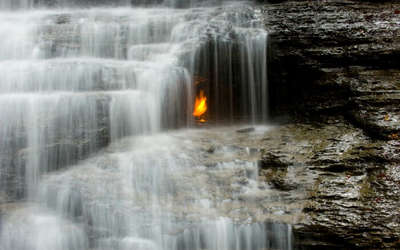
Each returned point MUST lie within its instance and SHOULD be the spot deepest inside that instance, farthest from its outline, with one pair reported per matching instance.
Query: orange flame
(200, 106)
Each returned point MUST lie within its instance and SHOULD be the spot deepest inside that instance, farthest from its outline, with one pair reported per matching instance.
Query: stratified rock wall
(337, 59)
(349, 184)
(339, 56)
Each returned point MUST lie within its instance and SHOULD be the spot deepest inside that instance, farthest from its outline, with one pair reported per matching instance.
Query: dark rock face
(338, 58)
(377, 98)
(350, 184)
(270, 160)
(275, 171)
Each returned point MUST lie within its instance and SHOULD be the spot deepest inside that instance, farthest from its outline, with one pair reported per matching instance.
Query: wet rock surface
(350, 182)
(338, 58)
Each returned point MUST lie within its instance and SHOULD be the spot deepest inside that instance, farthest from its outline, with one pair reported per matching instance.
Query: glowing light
(200, 106)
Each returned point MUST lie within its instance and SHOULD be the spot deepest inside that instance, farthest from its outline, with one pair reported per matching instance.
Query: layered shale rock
(338, 58)
(349, 184)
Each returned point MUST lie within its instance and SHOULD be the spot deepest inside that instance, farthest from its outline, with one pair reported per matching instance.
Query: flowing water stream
(97, 146)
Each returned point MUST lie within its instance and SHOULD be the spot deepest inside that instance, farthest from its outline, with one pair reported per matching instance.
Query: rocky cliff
(334, 68)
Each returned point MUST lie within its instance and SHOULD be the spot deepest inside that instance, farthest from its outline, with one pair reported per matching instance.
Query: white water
(74, 80)
(160, 191)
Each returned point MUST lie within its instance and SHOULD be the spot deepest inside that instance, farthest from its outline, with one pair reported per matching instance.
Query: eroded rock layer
(337, 58)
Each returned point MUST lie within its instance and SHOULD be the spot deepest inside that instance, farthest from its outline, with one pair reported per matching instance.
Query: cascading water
(74, 80)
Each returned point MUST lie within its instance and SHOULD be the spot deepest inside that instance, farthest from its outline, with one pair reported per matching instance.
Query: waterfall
(90, 91)
(16, 4)
(26, 4)
(71, 83)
